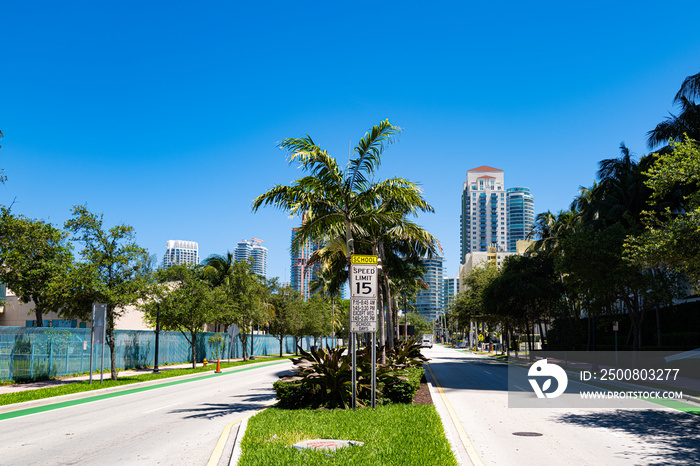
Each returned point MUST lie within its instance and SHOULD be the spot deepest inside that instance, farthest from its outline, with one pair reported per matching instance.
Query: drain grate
(527, 434)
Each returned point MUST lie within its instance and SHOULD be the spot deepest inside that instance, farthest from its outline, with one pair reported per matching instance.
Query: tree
(342, 202)
(287, 308)
(246, 302)
(334, 199)
(687, 122)
(672, 236)
(186, 303)
(219, 270)
(33, 253)
(111, 272)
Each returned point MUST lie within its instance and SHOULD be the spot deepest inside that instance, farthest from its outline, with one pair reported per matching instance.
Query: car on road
(427, 340)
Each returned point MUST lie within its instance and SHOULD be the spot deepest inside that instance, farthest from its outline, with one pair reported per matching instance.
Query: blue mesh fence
(33, 353)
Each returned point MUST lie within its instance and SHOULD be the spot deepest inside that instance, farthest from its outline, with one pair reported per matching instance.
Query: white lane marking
(162, 407)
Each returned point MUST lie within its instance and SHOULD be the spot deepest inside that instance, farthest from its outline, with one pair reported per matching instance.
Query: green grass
(397, 434)
(84, 386)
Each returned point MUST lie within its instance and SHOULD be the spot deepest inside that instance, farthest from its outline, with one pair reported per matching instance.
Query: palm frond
(368, 154)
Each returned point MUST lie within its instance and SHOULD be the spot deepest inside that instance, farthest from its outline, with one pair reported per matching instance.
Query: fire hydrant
(205, 362)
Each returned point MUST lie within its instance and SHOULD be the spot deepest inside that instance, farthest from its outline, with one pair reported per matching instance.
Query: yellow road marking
(223, 438)
(471, 451)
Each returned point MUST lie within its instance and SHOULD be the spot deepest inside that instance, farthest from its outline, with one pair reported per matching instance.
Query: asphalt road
(476, 389)
(175, 424)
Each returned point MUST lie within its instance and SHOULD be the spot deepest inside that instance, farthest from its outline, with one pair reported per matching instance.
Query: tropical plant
(341, 202)
(687, 122)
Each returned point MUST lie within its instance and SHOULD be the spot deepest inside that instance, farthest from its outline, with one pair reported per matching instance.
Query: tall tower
(178, 252)
(429, 303)
(301, 272)
(521, 215)
(483, 220)
(252, 249)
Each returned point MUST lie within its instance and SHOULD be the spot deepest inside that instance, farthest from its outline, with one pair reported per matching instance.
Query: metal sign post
(99, 318)
(363, 312)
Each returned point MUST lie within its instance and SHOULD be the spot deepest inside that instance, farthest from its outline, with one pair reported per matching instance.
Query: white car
(427, 343)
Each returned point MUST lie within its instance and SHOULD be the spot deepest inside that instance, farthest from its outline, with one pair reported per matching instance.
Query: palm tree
(219, 268)
(336, 199)
(687, 122)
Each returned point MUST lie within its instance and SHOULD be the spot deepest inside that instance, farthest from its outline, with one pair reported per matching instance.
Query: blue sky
(166, 115)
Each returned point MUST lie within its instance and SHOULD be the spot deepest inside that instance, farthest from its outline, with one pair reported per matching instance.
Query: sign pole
(363, 312)
(374, 370)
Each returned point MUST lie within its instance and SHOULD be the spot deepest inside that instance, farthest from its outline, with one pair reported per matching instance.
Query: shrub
(323, 378)
(403, 390)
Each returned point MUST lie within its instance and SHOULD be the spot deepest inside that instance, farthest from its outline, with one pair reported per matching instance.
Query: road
(476, 389)
(175, 424)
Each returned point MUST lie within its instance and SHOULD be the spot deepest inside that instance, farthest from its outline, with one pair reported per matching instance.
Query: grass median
(396, 434)
(85, 386)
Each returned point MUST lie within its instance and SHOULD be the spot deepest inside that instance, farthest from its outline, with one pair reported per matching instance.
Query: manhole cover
(326, 444)
(527, 434)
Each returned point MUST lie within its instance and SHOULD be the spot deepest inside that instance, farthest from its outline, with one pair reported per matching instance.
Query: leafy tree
(524, 293)
(33, 253)
(672, 236)
(420, 325)
(187, 304)
(112, 271)
(287, 307)
(245, 302)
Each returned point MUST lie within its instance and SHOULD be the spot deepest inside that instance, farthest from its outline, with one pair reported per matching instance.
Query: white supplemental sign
(363, 315)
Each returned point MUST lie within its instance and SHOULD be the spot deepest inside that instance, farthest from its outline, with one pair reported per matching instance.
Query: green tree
(186, 304)
(672, 235)
(246, 302)
(334, 199)
(112, 271)
(33, 253)
(287, 308)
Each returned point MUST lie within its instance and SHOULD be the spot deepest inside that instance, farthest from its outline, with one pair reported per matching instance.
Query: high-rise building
(302, 274)
(483, 220)
(429, 302)
(520, 206)
(450, 289)
(246, 250)
(178, 252)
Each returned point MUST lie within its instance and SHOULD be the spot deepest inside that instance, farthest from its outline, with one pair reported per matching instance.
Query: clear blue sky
(166, 115)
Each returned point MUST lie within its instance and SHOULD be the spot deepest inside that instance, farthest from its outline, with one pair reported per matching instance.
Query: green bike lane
(50, 404)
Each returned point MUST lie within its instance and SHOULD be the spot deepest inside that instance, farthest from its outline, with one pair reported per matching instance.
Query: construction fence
(28, 353)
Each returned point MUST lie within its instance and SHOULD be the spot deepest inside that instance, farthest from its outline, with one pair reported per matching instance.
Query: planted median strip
(391, 434)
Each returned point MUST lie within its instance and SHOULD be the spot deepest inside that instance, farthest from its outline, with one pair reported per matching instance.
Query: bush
(323, 378)
(291, 395)
(404, 390)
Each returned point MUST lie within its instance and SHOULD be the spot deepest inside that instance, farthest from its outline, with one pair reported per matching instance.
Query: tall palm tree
(687, 122)
(336, 199)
